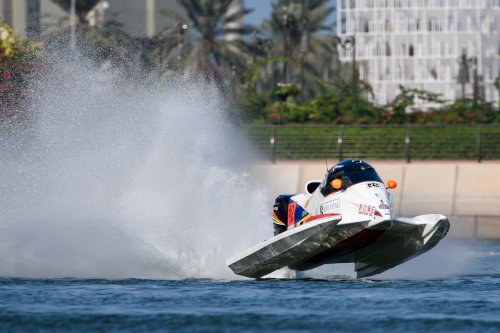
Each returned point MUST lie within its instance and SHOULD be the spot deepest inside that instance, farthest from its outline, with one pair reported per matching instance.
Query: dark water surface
(467, 301)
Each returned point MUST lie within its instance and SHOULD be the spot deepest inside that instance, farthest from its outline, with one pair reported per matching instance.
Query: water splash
(113, 181)
(449, 258)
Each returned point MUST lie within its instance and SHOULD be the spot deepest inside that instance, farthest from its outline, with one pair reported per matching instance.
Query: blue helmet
(350, 172)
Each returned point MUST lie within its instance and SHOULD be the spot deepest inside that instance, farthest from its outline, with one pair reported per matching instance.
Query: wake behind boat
(346, 218)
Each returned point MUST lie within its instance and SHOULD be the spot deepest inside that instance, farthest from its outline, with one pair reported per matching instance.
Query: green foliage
(462, 111)
(397, 110)
(297, 30)
(338, 103)
(18, 64)
(211, 46)
(343, 103)
(437, 142)
(210, 42)
(254, 99)
(107, 45)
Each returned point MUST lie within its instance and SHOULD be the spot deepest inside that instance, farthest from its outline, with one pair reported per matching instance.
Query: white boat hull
(374, 246)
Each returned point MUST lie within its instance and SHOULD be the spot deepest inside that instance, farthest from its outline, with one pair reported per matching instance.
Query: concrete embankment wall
(468, 193)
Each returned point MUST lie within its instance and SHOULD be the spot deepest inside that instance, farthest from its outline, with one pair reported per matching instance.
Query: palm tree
(211, 44)
(107, 44)
(298, 23)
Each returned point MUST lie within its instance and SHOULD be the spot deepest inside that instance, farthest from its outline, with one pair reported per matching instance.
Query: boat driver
(348, 173)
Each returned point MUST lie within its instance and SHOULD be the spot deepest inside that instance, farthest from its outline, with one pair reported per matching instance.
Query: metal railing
(394, 142)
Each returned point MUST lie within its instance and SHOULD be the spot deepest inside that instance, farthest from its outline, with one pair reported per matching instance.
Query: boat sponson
(399, 247)
(295, 245)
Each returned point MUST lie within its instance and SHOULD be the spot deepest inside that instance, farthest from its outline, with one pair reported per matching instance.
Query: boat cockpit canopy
(349, 172)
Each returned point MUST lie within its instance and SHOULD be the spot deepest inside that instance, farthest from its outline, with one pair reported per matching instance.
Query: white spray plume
(111, 181)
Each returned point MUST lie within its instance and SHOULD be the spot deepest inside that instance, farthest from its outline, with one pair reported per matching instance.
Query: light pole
(497, 86)
(72, 22)
(288, 21)
(304, 25)
(476, 80)
(463, 71)
(348, 43)
(181, 29)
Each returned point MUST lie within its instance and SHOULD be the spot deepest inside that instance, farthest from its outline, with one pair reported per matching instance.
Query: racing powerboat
(346, 218)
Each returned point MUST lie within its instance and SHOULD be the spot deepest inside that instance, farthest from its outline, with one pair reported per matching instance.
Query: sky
(261, 10)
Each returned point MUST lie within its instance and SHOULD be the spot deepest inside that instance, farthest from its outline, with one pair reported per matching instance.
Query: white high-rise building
(417, 44)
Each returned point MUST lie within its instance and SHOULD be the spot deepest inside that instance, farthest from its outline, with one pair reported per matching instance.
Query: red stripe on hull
(312, 218)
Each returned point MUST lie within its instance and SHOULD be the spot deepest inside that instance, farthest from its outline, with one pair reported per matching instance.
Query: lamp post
(463, 71)
(304, 27)
(286, 20)
(72, 20)
(348, 43)
(475, 80)
(497, 86)
(181, 29)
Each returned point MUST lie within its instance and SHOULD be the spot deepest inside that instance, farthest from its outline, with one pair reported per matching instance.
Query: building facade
(418, 44)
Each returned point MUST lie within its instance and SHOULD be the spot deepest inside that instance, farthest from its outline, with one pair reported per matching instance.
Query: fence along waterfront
(391, 142)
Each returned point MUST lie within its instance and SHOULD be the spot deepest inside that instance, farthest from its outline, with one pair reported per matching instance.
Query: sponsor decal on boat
(291, 213)
(383, 206)
(366, 210)
(330, 206)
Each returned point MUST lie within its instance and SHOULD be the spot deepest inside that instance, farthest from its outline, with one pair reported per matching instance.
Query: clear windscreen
(353, 177)
(349, 178)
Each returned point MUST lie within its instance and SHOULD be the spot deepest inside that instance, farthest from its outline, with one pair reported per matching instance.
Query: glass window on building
(450, 23)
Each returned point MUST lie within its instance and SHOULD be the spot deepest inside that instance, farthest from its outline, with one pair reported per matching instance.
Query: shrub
(17, 69)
